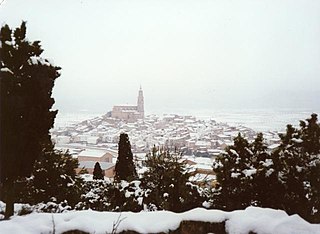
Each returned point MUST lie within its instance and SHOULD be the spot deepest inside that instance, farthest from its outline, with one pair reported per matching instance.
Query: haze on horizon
(186, 54)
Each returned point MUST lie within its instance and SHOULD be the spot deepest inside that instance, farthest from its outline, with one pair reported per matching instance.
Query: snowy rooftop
(90, 164)
(125, 105)
(93, 153)
(200, 160)
(273, 146)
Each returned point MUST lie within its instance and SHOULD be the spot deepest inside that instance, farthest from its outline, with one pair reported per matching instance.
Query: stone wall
(186, 227)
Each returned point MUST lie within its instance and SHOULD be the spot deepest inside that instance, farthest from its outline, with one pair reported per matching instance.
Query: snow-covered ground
(258, 220)
(64, 119)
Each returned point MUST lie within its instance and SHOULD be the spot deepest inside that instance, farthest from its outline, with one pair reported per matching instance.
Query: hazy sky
(188, 54)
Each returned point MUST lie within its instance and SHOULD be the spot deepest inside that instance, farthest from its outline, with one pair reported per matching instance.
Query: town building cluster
(199, 140)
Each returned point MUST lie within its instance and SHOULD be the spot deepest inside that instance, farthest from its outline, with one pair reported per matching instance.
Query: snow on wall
(259, 220)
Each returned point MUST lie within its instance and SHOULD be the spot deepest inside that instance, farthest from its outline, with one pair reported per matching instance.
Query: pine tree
(97, 172)
(288, 178)
(245, 173)
(234, 170)
(167, 180)
(26, 82)
(298, 169)
(125, 168)
(264, 181)
(54, 176)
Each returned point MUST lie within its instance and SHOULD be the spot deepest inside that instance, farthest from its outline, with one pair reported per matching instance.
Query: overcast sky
(188, 54)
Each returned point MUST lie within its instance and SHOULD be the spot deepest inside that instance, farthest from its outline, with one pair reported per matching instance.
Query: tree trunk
(9, 199)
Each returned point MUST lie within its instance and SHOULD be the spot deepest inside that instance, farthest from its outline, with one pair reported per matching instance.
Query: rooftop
(93, 153)
(90, 164)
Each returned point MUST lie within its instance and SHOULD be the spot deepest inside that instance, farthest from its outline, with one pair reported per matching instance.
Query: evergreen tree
(298, 169)
(288, 178)
(97, 172)
(54, 176)
(245, 174)
(26, 82)
(234, 170)
(264, 181)
(125, 168)
(167, 180)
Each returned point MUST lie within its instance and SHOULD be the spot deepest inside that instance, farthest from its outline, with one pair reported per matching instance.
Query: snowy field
(258, 220)
(260, 120)
(64, 119)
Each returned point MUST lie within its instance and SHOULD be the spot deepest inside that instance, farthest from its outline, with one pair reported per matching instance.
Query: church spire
(140, 106)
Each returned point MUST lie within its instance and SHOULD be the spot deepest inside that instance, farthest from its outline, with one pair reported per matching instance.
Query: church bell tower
(140, 106)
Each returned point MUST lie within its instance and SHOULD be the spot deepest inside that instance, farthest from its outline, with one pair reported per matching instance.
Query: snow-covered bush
(106, 196)
(167, 183)
(53, 179)
(48, 207)
(129, 196)
(2, 209)
(138, 195)
(55, 176)
(96, 196)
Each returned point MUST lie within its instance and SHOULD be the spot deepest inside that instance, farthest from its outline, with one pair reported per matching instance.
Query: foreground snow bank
(258, 220)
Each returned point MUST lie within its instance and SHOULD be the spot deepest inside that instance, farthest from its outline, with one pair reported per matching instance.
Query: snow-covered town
(198, 140)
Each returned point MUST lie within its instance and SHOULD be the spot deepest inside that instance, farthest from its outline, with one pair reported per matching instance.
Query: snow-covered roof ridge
(91, 164)
(93, 152)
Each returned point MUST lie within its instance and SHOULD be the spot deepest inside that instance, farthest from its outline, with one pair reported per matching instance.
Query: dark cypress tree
(26, 82)
(125, 168)
(97, 172)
